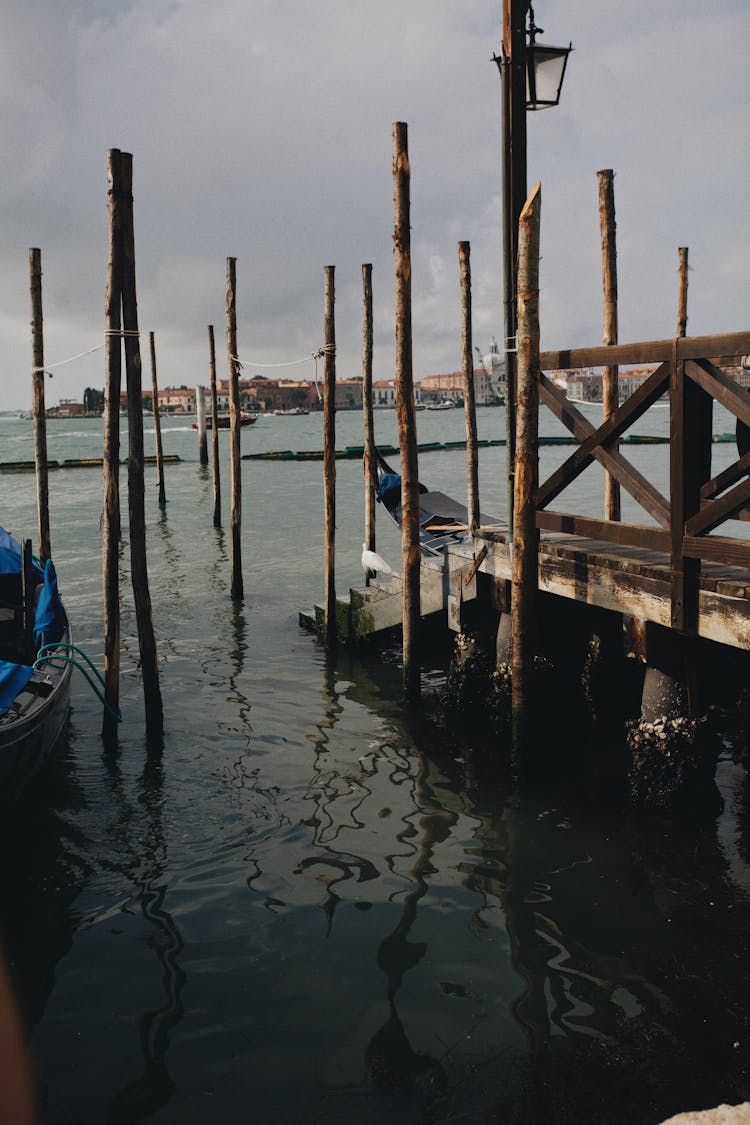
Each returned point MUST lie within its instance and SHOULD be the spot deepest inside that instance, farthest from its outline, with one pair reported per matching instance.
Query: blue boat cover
(49, 621)
(10, 556)
(389, 488)
(13, 679)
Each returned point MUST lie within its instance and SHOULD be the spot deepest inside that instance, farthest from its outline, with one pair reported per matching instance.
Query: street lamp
(545, 69)
(532, 76)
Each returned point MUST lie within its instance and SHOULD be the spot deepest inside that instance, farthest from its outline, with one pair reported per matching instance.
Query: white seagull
(371, 560)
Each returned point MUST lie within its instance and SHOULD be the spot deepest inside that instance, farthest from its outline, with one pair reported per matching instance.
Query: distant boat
(294, 410)
(224, 421)
(34, 702)
(445, 405)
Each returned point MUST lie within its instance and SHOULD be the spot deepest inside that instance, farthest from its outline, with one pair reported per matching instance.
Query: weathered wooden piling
(237, 589)
(525, 562)
(470, 404)
(215, 427)
(136, 487)
(407, 426)
(111, 450)
(29, 606)
(157, 423)
(370, 462)
(610, 374)
(329, 456)
(200, 410)
(682, 291)
(37, 400)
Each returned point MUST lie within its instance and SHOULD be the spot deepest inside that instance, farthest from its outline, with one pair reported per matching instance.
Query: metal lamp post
(532, 76)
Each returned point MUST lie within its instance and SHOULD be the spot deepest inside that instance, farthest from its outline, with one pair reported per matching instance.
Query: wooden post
(470, 404)
(691, 425)
(157, 423)
(215, 428)
(111, 451)
(370, 461)
(200, 409)
(525, 572)
(37, 399)
(407, 426)
(610, 375)
(329, 457)
(136, 489)
(237, 590)
(513, 73)
(683, 292)
(29, 606)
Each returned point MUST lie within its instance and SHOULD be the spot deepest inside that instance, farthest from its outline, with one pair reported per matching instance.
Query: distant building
(442, 388)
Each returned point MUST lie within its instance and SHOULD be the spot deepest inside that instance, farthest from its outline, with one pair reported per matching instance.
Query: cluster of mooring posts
(617, 632)
(122, 331)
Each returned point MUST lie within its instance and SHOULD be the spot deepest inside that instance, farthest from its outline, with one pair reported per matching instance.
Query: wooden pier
(671, 569)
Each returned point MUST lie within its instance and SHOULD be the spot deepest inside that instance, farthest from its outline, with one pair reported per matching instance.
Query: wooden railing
(697, 503)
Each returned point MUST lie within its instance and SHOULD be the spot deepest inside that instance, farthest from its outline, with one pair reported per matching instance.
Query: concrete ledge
(722, 1115)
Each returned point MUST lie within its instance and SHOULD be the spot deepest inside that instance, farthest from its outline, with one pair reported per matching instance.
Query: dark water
(310, 907)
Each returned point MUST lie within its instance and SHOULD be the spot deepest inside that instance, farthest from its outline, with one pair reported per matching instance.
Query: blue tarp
(388, 485)
(10, 556)
(13, 679)
(49, 621)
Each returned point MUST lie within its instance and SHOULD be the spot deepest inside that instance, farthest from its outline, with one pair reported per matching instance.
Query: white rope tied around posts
(326, 349)
(47, 368)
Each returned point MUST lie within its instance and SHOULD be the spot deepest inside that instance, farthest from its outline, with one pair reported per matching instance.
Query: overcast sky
(261, 129)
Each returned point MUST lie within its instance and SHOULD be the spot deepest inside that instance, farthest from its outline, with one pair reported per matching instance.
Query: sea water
(307, 907)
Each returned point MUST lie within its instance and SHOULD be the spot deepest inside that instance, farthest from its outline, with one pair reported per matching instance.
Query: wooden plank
(725, 478)
(717, 511)
(722, 387)
(637, 535)
(731, 552)
(728, 346)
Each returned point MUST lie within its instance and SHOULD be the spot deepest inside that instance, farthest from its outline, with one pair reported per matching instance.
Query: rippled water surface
(310, 907)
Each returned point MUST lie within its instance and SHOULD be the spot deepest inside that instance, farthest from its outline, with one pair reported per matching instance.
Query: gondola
(224, 421)
(442, 520)
(34, 701)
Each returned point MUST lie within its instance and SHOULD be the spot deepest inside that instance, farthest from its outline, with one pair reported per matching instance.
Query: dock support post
(200, 410)
(215, 429)
(610, 376)
(111, 452)
(37, 398)
(237, 591)
(370, 466)
(407, 427)
(157, 422)
(525, 563)
(683, 291)
(329, 456)
(136, 505)
(470, 404)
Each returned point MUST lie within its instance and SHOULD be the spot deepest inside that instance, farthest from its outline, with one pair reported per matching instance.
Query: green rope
(57, 655)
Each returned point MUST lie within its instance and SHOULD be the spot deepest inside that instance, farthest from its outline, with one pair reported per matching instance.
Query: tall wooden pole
(513, 73)
(237, 589)
(470, 404)
(200, 409)
(111, 451)
(683, 292)
(370, 460)
(407, 425)
(610, 377)
(215, 429)
(525, 566)
(37, 399)
(136, 488)
(329, 456)
(157, 422)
